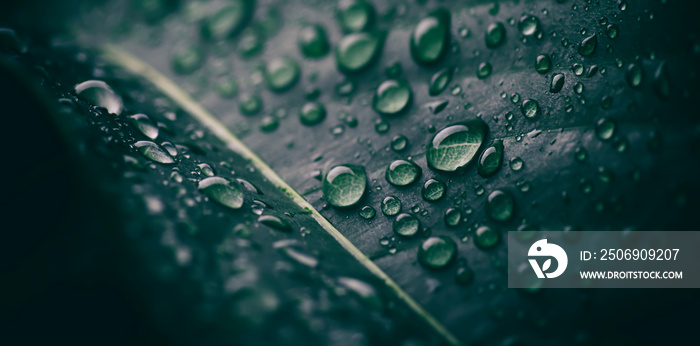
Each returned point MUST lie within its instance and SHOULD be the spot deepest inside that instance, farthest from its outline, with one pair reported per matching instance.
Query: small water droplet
(495, 34)
(313, 41)
(367, 212)
(557, 83)
(439, 81)
(145, 125)
(433, 189)
(453, 216)
(437, 252)
(529, 25)
(486, 237)
(588, 45)
(402, 173)
(391, 206)
(455, 146)
(356, 52)
(406, 225)
(500, 205)
(543, 63)
(153, 152)
(101, 95)
(392, 97)
(282, 73)
(530, 109)
(516, 164)
(431, 37)
(491, 158)
(222, 191)
(344, 185)
(312, 113)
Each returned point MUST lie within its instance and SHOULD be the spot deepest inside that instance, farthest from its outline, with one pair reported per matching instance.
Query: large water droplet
(491, 158)
(391, 206)
(406, 225)
(557, 83)
(431, 37)
(101, 95)
(588, 45)
(453, 147)
(437, 252)
(145, 125)
(485, 237)
(529, 25)
(433, 190)
(500, 205)
(439, 81)
(605, 129)
(391, 97)
(543, 63)
(222, 191)
(495, 34)
(662, 85)
(634, 74)
(313, 41)
(530, 108)
(228, 21)
(275, 222)
(187, 60)
(355, 15)
(344, 185)
(355, 52)
(402, 173)
(282, 73)
(153, 152)
(312, 113)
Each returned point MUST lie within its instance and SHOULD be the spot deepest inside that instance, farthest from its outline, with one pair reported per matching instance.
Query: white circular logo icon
(543, 249)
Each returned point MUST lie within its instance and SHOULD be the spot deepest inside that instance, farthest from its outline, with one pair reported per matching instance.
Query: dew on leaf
(437, 252)
(145, 125)
(543, 63)
(392, 97)
(313, 41)
(516, 164)
(367, 212)
(433, 189)
(588, 45)
(282, 73)
(455, 146)
(431, 37)
(101, 95)
(453, 216)
(530, 108)
(391, 206)
(406, 225)
(344, 185)
(495, 34)
(188, 60)
(634, 74)
(557, 83)
(484, 70)
(250, 104)
(529, 25)
(500, 205)
(222, 191)
(491, 158)
(356, 52)
(355, 15)
(399, 143)
(312, 113)
(228, 21)
(402, 173)
(153, 152)
(439, 81)
(486, 237)
(275, 222)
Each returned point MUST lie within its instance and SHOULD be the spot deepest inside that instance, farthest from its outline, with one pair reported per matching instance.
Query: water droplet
(355, 52)
(588, 45)
(406, 225)
(464, 276)
(187, 60)
(486, 237)
(344, 185)
(431, 37)
(391, 206)
(543, 63)
(578, 69)
(612, 30)
(605, 129)
(433, 190)
(581, 154)
(222, 191)
(529, 25)
(495, 34)
(313, 41)
(399, 143)
(312, 113)
(516, 164)
(455, 146)
(634, 74)
(269, 124)
(367, 212)
(282, 73)
(530, 109)
(145, 125)
(500, 205)
(662, 85)
(251, 43)
(153, 152)
(437, 252)
(439, 81)
(355, 15)
(491, 158)
(557, 83)
(578, 87)
(228, 21)
(381, 126)
(101, 95)
(250, 104)
(402, 173)
(453, 216)
(275, 222)
(391, 97)
(484, 70)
